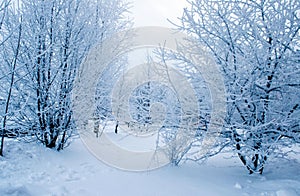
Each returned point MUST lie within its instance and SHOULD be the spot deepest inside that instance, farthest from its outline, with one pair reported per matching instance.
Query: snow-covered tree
(3, 38)
(256, 44)
(186, 127)
(56, 37)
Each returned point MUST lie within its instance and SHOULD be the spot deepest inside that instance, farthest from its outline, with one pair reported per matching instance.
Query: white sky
(156, 12)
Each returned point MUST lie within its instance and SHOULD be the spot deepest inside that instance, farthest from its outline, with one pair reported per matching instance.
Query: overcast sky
(156, 12)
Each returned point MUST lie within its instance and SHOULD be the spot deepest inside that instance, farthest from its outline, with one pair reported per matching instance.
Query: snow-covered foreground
(31, 169)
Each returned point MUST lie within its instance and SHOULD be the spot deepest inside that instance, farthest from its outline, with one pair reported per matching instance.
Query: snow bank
(31, 169)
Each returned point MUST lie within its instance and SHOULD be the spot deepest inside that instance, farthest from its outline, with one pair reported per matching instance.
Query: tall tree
(3, 12)
(256, 44)
(56, 36)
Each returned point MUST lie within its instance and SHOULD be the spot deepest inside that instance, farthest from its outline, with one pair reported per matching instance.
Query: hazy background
(156, 12)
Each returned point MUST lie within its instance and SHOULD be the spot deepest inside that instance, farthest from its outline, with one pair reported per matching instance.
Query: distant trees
(256, 44)
(56, 35)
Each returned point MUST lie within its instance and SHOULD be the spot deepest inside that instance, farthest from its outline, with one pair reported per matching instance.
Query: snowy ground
(31, 169)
